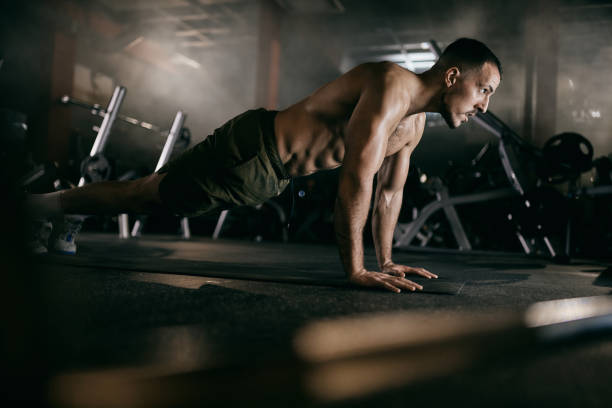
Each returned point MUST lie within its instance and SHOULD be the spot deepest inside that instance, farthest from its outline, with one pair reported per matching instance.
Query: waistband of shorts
(269, 140)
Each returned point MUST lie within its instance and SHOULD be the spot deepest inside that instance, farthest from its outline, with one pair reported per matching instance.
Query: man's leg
(106, 197)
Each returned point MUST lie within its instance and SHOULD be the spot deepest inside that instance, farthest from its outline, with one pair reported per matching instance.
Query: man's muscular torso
(311, 134)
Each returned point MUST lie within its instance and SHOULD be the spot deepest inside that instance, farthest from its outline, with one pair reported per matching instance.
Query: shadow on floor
(604, 278)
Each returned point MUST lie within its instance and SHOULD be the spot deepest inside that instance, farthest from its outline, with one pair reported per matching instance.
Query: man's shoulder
(376, 70)
(383, 76)
(393, 79)
(386, 70)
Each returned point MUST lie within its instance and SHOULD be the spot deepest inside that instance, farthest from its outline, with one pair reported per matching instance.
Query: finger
(429, 274)
(412, 284)
(424, 272)
(406, 284)
(389, 286)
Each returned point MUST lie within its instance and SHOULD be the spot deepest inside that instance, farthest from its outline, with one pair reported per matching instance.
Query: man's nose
(483, 105)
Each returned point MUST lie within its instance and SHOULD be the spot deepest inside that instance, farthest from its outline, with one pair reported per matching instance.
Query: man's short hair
(467, 54)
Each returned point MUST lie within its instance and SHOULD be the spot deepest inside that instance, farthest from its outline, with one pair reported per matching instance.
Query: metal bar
(185, 228)
(526, 247)
(551, 250)
(109, 120)
(453, 219)
(124, 226)
(507, 166)
(219, 225)
(97, 110)
(173, 135)
(409, 232)
(107, 124)
(36, 173)
(136, 229)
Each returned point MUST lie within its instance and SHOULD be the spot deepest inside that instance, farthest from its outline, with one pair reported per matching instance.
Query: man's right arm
(375, 116)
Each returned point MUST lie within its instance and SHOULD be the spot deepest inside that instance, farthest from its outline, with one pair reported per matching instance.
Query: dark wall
(26, 45)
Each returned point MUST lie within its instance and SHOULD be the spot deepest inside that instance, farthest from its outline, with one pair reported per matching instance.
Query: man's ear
(451, 75)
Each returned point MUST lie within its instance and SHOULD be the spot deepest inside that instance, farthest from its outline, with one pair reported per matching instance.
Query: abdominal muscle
(308, 142)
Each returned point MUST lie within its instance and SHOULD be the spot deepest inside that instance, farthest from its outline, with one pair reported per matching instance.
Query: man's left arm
(387, 204)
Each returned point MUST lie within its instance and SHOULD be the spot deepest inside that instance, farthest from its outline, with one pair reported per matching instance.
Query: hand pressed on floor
(383, 280)
(403, 270)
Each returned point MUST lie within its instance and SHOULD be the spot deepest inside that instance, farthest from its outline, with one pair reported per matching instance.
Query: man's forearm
(386, 211)
(350, 215)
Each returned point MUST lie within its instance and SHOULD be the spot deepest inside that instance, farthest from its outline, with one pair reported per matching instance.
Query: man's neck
(427, 93)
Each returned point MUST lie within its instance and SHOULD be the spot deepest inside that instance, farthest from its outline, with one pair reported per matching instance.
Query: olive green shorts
(237, 165)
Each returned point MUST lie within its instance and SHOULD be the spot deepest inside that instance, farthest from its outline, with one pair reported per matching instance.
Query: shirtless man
(368, 121)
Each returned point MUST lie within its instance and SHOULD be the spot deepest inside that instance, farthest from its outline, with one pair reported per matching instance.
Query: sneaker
(66, 232)
(39, 236)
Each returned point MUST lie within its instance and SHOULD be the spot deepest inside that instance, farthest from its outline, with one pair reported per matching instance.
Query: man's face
(467, 93)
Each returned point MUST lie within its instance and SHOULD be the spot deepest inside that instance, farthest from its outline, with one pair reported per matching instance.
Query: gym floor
(178, 317)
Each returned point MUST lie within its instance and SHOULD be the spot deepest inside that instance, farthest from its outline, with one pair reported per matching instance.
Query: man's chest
(404, 134)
